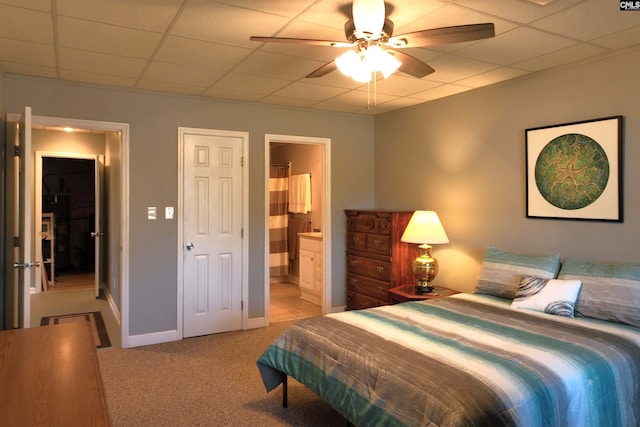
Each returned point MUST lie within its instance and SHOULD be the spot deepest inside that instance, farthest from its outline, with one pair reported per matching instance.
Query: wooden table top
(49, 376)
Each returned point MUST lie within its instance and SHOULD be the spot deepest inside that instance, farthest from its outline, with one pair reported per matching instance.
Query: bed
(483, 358)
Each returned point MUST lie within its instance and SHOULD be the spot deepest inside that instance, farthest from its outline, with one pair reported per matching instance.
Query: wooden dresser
(376, 258)
(49, 376)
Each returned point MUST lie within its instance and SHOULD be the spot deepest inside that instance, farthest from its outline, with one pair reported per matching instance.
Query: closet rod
(281, 164)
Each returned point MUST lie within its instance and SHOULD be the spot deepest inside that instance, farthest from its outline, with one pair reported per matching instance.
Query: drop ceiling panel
(225, 24)
(150, 15)
(23, 24)
(202, 47)
(41, 5)
(92, 62)
(198, 53)
(26, 52)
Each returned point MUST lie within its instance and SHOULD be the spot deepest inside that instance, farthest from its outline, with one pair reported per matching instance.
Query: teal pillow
(609, 291)
(501, 271)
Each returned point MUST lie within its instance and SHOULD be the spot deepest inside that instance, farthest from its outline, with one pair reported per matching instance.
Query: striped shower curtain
(278, 220)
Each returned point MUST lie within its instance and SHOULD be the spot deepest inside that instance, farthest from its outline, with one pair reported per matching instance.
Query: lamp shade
(424, 228)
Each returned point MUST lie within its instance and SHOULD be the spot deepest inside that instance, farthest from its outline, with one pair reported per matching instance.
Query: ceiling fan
(374, 48)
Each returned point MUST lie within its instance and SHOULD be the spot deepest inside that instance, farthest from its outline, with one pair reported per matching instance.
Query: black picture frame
(574, 170)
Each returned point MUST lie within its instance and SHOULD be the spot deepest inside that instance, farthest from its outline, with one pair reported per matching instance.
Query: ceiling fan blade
(444, 35)
(325, 69)
(300, 41)
(412, 66)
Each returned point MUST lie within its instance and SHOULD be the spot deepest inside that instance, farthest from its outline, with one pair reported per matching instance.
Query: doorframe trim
(123, 128)
(244, 136)
(325, 143)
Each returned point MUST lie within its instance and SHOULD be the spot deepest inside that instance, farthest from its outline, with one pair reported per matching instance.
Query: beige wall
(154, 119)
(464, 157)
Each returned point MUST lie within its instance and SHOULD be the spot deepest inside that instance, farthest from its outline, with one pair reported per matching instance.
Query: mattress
(464, 360)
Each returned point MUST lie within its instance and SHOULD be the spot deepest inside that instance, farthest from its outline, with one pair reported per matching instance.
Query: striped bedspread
(466, 360)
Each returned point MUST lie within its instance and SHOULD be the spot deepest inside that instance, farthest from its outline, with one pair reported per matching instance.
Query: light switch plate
(152, 212)
(168, 212)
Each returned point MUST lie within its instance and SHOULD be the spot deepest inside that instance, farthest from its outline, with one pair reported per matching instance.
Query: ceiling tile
(42, 5)
(620, 40)
(23, 24)
(593, 19)
(32, 70)
(450, 68)
(402, 85)
(255, 84)
(523, 11)
(278, 66)
(180, 74)
(198, 53)
(150, 15)
(288, 8)
(282, 100)
(225, 24)
(491, 77)
(28, 53)
(560, 57)
(515, 46)
(100, 63)
(440, 92)
(202, 47)
(105, 38)
(232, 94)
(97, 78)
(170, 87)
(309, 91)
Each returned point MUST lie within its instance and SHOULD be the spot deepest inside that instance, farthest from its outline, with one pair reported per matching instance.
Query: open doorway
(297, 267)
(68, 188)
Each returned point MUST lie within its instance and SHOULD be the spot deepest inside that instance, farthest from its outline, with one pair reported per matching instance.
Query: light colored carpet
(205, 381)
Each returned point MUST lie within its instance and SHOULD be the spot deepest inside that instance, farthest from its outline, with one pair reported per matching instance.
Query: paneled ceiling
(202, 47)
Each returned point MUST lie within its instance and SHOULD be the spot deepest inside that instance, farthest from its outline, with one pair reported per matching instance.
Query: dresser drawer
(356, 241)
(379, 243)
(371, 287)
(379, 223)
(357, 301)
(373, 268)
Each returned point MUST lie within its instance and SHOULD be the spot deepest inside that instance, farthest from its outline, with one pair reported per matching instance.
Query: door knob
(26, 265)
(189, 246)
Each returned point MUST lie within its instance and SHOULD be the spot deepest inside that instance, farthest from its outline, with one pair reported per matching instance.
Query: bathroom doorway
(297, 268)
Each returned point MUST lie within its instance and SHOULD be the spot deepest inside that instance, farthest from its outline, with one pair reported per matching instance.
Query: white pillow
(553, 296)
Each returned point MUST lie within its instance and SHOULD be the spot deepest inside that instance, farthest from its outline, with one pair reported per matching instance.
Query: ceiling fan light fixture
(368, 17)
(351, 64)
(381, 60)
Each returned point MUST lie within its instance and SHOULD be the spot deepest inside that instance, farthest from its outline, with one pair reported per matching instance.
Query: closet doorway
(297, 266)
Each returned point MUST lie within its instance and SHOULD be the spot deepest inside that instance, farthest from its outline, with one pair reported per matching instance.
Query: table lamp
(425, 229)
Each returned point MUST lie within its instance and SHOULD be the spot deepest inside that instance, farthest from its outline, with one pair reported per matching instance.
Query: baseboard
(152, 338)
(256, 322)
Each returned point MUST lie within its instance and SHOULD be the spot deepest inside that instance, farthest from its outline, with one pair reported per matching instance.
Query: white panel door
(98, 227)
(212, 233)
(23, 223)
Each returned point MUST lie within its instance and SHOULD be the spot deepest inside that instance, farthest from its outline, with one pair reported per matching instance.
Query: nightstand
(405, 293)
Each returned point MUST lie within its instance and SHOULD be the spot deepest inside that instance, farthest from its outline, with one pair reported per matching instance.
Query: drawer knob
(353, 263)
(356, 239)
(380, 269)
(377, 242)
(354, 281)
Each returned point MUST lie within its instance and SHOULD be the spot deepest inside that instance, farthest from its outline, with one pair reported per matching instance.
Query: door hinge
(242, 233)
(241, 305)
(17, 151)
(16, 241)
(242, 161)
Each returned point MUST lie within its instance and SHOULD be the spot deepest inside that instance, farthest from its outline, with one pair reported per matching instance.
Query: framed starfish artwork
(574, 170)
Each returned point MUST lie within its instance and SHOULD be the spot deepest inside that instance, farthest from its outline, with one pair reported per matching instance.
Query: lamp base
(424, 288)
